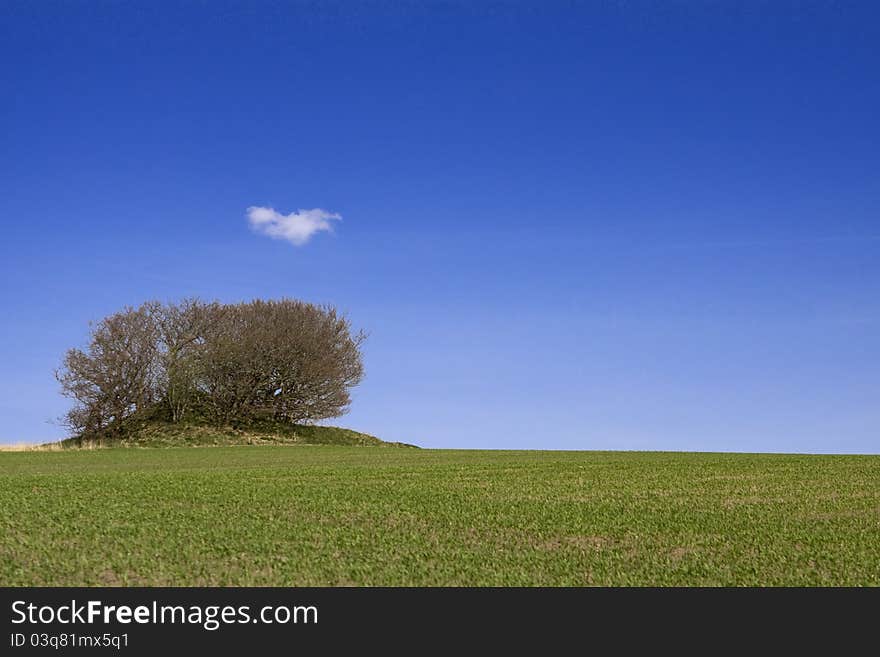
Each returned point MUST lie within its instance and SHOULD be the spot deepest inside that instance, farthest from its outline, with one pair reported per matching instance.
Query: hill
(264, 432)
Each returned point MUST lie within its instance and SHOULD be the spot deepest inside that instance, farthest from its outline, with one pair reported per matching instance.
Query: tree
(226, 367)
(306, 370)
(286, 359)
(227, 363)
(181, 336)
(115, 378)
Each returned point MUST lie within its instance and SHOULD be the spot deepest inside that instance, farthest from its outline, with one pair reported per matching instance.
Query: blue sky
(596, 225)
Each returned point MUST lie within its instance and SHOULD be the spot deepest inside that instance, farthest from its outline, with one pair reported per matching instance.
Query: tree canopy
(225, 363)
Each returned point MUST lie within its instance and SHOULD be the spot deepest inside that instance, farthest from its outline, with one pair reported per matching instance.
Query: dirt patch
(734, 502)
(585, 543)
(108, 577)
(843, 513)
(679, 553)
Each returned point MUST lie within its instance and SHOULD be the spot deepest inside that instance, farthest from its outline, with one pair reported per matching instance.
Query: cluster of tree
(227, 363)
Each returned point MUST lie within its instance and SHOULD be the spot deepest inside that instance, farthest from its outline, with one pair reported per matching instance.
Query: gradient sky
(608, 225)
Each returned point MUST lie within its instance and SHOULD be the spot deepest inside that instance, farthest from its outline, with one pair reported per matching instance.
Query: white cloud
(296, 227)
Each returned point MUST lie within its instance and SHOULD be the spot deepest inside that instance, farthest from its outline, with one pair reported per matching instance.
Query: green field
(298, 515)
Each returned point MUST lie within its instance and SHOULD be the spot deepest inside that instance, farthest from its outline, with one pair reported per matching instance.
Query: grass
(283, 516)
(156, 433)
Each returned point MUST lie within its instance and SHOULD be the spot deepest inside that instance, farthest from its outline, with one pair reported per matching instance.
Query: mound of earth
(168, 434)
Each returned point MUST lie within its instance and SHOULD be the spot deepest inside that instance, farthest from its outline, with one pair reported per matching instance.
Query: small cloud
(296, 227)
